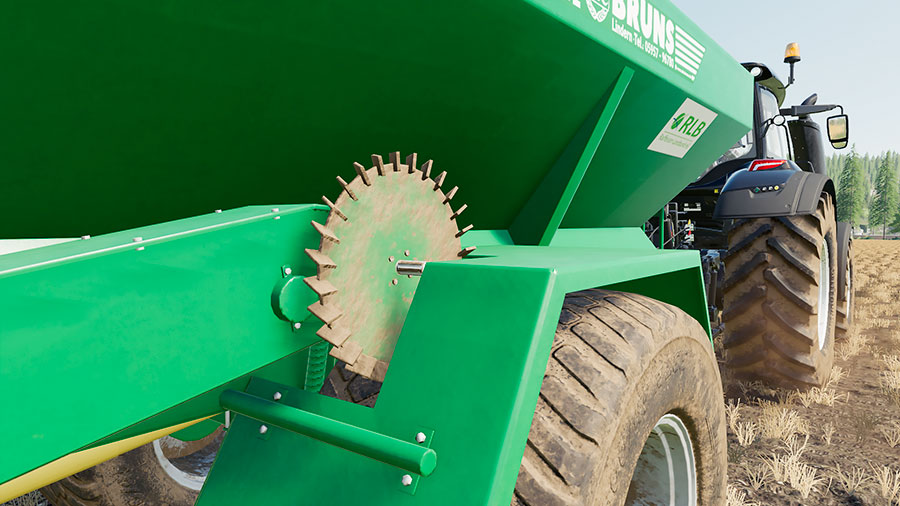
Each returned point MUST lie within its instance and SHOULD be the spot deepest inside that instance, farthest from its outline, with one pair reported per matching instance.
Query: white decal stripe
(685, 74)
(679, 63)
(690, 39)
(679, 41)
(688, 57)
(684, 62)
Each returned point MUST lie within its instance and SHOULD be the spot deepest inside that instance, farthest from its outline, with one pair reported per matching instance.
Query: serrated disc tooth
(463, 231)
(328, 313)
(411, 162)
(450, 194)
(379, 164)
(326, 232)
(459, 211)
(335, 335)
(349, 352)
(426, 169)
(364, 366)
(322, 260)
(438, 181)
(395, 160)
(466, 251)
(320, 286)
(380, 371)
(362, 173)
(346, 187)
(334, 208)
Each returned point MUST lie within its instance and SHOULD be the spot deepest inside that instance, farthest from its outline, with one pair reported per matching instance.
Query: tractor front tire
(780, 298)
(844, 311)
(630, 409)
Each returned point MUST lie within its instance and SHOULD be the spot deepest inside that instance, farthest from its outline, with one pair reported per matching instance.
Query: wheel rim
(665, 472)
(848, 291)
(188, 470)
(824, 287)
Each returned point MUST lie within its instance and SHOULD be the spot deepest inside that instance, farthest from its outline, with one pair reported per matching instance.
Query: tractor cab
(778, 133)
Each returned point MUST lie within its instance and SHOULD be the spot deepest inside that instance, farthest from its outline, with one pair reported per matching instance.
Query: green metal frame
(480, 421)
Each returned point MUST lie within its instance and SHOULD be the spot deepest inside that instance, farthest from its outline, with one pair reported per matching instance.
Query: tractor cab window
(776, 142)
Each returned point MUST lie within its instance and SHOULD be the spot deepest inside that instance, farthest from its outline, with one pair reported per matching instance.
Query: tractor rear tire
(631, 388)
(846, 299)
(139, 477)
(780, 298)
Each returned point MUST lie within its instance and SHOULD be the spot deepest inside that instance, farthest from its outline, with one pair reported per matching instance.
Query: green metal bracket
(406, 455)
(539, 219)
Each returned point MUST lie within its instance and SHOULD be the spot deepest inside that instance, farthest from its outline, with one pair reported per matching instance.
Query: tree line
(867, 189)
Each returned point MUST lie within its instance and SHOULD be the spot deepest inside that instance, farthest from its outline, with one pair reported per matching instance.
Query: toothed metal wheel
(389, 212)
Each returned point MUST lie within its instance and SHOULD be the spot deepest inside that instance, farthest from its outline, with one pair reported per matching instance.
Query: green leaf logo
(677, 121)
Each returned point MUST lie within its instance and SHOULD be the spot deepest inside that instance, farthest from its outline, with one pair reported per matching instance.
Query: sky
(846, 48)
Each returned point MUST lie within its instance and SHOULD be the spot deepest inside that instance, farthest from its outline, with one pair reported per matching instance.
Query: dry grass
(891, 433)
(852, 481)
(756, 475)
(890, 378)
(827, 432)
(779, 422)
(733, 414)
(888, 483)
(824, 396)
(855, 343)
(735, 497)
(746, 433)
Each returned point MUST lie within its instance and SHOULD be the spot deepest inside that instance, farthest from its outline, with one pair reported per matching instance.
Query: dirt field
(840, 444)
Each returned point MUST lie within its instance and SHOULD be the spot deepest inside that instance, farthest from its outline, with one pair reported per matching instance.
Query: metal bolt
(394, 282)
(137, 239)
(390, 259)
(406, 480)
(297, 325)
(140, 249)
(420, 437)
(277, 396)
(263, 429)
(274, 209)
(406, 252)
(287, 271)
(218, 211)
(85, 237)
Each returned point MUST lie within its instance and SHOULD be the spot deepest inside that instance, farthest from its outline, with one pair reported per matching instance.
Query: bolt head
(263, 429)
(218, 211)
(390, 259)
(277, 396)
(406, 252)
(274, 209)
(85, 237)
(420, 437)
(137, 239)
(406, 480)
(297, 325)
(394, 282)
(288, 271)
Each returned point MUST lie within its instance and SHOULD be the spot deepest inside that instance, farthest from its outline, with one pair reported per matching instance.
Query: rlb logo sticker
(687, 125)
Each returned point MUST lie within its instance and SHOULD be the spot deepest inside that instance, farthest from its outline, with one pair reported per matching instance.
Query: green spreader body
(565, 124)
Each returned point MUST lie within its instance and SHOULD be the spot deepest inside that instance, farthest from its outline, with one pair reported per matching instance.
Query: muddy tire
(780, 298)
(624, 369)
(844, 310)
(139, 477)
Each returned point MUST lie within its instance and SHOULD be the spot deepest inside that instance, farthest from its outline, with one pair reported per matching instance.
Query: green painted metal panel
(118, 114)
(479, 404)
(539, 220)
(121, 331)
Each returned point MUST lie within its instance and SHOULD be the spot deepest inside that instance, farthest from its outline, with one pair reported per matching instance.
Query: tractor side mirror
(838, 131)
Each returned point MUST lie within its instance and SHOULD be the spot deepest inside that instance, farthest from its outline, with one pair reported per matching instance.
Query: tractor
(778, 267)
